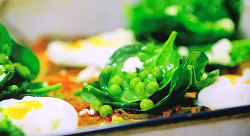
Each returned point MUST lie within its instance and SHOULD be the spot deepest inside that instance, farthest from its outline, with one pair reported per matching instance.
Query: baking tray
(229, 122)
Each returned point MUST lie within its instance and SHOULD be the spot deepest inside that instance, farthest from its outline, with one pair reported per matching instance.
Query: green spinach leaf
(26, 57)
(152, 56)
(5, 41)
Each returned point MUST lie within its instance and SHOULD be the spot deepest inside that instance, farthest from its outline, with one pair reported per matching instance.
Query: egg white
(224, 94)
(40, 122)
(94, 51)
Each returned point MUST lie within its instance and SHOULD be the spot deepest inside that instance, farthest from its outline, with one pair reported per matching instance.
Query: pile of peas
(104, 111)
(146, 82)
(9, 66)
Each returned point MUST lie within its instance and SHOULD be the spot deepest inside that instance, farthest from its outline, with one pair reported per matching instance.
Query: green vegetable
(105, 110)
(18, 66)
(130, 76)
(152, 87)
(149, 79)
(118, 120)
(103, 124)
(26, 57)
(5, 42)
(7, 128)
(140, 88)
(196, 21)
(165, 92)
(157, 73)
(96, 105)
(115, 89)
(106, 72)
(239, 53)
(146, 104)
(144, 74)
(22, 70)
(116, 80)
(134, 81)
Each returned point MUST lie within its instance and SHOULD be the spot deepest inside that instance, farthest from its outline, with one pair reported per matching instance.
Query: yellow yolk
(19, 110)
(232, 78)
(97, 40)
(75, 45)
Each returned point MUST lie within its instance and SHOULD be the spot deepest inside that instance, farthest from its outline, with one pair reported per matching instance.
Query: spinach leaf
(186, 78)
(188, 74)
(5, 41)
(177, 79)
(197, 22)
(151, 55)
(18, 66)
(86, 95)
(119, 56)
(239, 53)
(26, 57)
(99, 94)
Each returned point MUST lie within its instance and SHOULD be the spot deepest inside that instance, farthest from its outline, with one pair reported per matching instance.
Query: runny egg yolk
(75, 45)
(19, 110)
(232, 79)
(98, 40)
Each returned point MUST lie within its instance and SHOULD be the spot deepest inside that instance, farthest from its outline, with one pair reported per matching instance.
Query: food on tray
(137, 76)
(110, 78)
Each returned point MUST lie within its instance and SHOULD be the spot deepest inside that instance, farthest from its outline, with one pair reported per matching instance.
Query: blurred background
(27, 20)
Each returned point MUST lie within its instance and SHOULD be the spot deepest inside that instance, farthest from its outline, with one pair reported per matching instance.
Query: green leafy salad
(211, 26)
(159, 82)
(18, 66)
(196, 21)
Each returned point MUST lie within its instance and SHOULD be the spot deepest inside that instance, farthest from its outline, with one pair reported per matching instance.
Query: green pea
(106, 72)
(130, 76)
(116, 80)
(4, 59)
(8, 67)
(114, 89)
(152, 87)
(140, 88)
(149, 79)
(134, 81)
(1, 72)
(157, 73)
(22, 70)
(143, 74)
(103, 124)
(96, 105)
(105, 110)
(146, 104)
(12, 87)
(118, 120)
(125, 84)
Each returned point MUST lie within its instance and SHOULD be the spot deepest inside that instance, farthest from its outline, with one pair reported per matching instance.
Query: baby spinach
(239, 53)
(164, 57)
(5, 41)
(196, 21)
(26, 57)
(177, 79)
(18, 53)
(18, 66)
